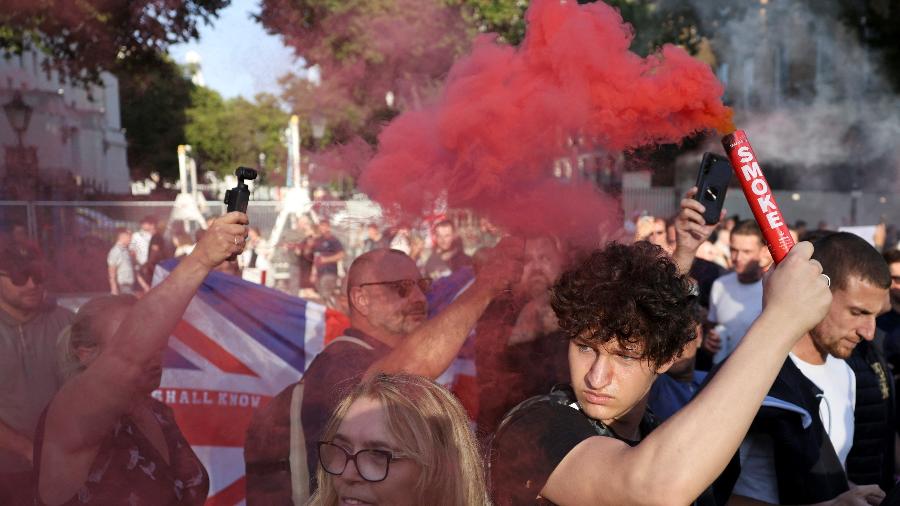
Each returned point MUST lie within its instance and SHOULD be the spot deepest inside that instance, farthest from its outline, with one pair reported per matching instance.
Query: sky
(237, 56)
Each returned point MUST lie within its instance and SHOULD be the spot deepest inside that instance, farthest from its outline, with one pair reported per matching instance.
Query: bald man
(389, 333)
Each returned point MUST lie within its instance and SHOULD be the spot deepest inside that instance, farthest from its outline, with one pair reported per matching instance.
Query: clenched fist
(224, 237)
(796, 291)
(504, 264)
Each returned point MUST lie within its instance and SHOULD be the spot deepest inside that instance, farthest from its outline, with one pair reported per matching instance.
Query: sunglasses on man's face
(20, 278)
(404, 287)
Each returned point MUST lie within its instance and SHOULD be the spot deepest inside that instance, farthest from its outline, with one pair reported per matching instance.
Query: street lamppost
(19, 115)
(317, 123)
(21, 161)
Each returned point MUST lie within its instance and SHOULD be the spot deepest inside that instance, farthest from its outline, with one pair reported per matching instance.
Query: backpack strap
(298, 451)
(297, 456)
(350, 339)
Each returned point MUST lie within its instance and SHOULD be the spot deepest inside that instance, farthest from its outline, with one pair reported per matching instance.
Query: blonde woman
(399, 440)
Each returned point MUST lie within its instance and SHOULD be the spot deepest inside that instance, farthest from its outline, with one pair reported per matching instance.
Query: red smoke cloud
(346, 159)
(489, 141)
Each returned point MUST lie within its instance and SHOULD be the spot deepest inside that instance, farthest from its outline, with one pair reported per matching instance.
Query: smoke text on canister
(760, 187)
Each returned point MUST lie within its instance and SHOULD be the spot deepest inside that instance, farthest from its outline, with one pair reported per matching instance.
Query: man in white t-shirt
(796, 450)
(735, 299)
(140, 241)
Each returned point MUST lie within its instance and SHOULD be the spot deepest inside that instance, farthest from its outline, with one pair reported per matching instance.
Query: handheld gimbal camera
(238, 197)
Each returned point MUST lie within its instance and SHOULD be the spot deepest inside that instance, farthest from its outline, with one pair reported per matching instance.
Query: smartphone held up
(712, 185)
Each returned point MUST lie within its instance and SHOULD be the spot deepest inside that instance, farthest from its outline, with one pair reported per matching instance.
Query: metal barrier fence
(75, 237)
(660, 201)
(45, 220)
(51, 223)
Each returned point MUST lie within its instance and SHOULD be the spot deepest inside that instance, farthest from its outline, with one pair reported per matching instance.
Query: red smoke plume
(489, 141)
(346, 159)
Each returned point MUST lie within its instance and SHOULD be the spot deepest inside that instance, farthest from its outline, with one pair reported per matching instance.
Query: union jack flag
(236, 347)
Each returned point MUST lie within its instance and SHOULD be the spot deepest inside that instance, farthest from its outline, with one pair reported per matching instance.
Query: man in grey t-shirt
(120, 264)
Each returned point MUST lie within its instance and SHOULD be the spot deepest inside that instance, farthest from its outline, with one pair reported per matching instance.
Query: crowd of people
(317, 261)
(309, 259)
(680, 367)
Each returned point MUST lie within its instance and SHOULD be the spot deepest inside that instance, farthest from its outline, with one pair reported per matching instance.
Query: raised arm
(430, 349)
(84, 409)
(691, 231)
(678, 460)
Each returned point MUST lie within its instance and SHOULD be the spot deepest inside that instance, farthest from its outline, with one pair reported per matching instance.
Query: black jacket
(806, 465)
(871, 460)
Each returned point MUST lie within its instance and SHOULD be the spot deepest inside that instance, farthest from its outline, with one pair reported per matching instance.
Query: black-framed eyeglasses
(20, 277)
(404, 287)
(372, 465)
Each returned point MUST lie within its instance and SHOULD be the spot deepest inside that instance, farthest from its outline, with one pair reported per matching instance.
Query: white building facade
(74, 130)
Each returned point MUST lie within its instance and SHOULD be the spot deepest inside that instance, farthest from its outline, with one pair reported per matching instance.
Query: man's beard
(535, 285)
(751, 273)
(37, 298)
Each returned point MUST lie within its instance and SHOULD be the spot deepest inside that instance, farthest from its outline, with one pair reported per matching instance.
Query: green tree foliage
(206, 129)
(154, 94)
(85, 37)
(506, 18)
(656, 22)
(226, 133)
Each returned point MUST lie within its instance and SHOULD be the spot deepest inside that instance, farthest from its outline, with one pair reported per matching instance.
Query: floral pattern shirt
(128, 470)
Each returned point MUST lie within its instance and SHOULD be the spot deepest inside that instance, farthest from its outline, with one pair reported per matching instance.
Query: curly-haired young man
(628, 312)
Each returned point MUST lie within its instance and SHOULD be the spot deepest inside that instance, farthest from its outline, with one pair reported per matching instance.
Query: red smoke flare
(506, 113)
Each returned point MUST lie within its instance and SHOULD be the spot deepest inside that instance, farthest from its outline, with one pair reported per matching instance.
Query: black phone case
(712, 185)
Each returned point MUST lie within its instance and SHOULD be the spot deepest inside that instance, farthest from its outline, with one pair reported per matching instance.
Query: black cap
(13, 258)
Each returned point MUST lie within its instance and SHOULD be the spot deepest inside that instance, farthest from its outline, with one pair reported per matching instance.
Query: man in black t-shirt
(374, 238)
(628, 311)
(327, 252)
(610, 380)
(448, 255)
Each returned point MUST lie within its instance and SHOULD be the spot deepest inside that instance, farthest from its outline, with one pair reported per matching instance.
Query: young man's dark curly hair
(630, 293)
